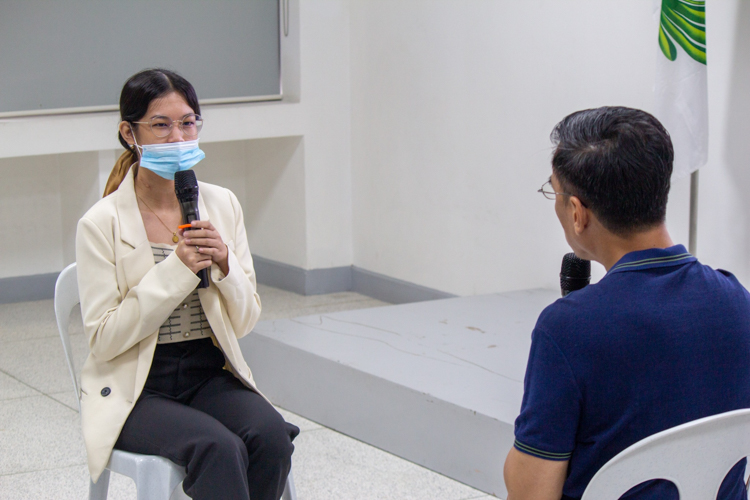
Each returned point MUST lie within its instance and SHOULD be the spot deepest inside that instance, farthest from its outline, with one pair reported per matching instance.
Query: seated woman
(165, 375)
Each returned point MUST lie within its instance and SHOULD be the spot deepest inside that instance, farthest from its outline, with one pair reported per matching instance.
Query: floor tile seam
(41, 393)
(75, 410)
(64, 404)
(69, 466)
(28, 396)
(5, 341)
(27, 339)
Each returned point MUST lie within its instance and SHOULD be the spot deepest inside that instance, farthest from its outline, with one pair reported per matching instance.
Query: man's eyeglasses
(549, 192)
(161, 126)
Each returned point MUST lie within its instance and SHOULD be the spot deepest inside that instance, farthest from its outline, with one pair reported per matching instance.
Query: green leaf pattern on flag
(683, 22)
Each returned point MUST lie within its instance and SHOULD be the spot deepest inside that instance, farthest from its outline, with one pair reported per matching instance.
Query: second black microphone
(575, 273)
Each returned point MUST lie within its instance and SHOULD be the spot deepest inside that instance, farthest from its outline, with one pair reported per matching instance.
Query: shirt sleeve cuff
(546, 455)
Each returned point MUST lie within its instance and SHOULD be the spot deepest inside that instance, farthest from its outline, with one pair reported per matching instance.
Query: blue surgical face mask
(168, 158)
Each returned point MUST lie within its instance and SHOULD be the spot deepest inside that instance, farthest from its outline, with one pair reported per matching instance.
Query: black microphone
(186, 189)
(575, 273)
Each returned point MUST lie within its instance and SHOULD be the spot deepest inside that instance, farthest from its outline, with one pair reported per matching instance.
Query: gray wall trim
(393, 290)
(302, 281)
(330, 280)
(342, 279)
(269, 272)
(279, 275)
(23, 288)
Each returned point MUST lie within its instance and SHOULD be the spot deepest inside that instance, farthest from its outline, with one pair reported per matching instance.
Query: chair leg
(290, 492)
(98, 490)
(158, 480)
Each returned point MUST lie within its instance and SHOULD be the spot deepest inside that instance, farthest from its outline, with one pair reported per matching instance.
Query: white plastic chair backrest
(66, 298)
(695, 456)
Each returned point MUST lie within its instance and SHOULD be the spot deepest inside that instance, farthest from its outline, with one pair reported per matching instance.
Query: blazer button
(105, 392)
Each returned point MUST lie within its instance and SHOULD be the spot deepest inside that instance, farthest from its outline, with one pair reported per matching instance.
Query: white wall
(29, 201)
(268, 177)
(724, 210)
(452, 106)
(325, 97)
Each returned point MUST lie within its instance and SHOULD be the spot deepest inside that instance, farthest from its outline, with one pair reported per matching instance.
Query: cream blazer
(125, 298)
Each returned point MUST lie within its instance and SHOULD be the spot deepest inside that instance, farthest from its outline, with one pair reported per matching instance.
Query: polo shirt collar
(653, 257)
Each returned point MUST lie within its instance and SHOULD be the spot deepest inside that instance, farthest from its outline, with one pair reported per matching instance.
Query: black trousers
(232, 442)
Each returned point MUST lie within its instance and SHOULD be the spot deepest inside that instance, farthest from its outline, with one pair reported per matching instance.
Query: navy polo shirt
(659, 341)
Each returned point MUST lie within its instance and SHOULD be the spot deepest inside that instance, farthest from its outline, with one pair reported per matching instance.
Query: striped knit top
(187, 321)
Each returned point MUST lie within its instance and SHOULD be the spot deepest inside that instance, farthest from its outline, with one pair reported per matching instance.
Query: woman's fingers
(193, 256)
(208, 250)
(204, 242)
(203, 264)
(204, 236)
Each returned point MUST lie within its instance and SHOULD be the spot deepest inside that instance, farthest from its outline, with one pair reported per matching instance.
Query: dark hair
(618, 161)
(144, 87)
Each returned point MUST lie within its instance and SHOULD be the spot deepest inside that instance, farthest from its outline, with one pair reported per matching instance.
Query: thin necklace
(174, 233)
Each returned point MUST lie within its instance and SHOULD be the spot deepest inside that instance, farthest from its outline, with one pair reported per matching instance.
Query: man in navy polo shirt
(659, 341)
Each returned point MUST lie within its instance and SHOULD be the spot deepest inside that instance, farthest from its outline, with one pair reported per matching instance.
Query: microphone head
(575, 273)
(186, 185)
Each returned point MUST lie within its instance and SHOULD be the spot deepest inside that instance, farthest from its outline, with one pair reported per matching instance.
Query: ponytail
(122, 166)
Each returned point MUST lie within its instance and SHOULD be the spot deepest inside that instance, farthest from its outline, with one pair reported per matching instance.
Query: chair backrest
(695, 456)
(66, 298)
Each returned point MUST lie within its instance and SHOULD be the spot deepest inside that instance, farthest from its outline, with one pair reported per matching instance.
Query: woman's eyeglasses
(161, 126)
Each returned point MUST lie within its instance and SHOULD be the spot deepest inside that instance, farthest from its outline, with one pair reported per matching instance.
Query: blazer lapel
(132, 230)
(135, 256)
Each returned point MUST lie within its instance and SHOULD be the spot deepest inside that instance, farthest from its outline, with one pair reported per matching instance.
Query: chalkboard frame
(275, 94)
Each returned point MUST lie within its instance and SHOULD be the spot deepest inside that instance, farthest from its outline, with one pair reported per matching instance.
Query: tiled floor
(41, 448)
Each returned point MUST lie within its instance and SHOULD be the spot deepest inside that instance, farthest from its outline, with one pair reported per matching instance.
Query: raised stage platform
(438, 383)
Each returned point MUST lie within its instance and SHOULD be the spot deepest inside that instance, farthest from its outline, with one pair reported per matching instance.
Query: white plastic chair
(695, 456)
(156, 478)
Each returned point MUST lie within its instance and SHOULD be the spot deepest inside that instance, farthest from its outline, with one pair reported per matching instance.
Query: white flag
(681, 90)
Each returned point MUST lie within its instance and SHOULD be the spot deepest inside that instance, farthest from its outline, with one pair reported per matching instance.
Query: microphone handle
(203, 273)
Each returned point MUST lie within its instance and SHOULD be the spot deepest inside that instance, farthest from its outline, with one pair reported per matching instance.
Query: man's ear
(581, 215)
(126, 131)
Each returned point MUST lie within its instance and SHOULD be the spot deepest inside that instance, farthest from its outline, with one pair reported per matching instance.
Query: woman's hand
(203, 245)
